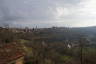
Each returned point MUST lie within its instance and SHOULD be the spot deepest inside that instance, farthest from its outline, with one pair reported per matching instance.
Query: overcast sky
(47, 13)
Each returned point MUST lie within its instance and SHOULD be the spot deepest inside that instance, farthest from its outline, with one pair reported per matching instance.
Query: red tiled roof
(10, 52)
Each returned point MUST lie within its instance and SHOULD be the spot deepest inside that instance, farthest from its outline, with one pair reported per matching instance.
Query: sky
(48, 13)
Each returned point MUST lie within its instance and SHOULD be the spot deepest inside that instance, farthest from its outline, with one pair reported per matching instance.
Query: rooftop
(10, 52)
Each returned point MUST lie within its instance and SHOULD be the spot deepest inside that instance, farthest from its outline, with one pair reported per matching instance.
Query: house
(11, 53)
(69, 45)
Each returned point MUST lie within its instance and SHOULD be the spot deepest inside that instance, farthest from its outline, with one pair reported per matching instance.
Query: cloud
(46, 13)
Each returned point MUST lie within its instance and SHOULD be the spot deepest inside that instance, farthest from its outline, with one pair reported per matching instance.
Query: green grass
(66, 58)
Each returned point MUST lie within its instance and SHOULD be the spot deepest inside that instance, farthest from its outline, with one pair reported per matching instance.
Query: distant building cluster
(19, 30)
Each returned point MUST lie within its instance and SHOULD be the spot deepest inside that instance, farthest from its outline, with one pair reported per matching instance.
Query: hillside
(56, 45)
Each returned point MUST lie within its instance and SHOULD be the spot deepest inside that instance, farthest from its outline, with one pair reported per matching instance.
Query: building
(11, 53)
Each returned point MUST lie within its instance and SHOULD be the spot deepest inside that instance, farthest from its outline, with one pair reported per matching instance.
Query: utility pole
(81, 53)
(81, 50)
(83, 42)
